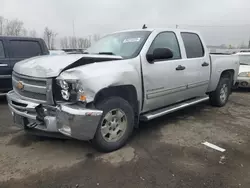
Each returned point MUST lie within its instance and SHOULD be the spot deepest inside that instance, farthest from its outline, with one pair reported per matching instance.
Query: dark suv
(14, 49)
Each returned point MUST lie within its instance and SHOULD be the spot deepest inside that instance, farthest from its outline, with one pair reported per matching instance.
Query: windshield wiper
(244, 64)
(106, 53)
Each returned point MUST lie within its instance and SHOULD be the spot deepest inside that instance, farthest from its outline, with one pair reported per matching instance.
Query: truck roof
(159, 30)
(16, 38)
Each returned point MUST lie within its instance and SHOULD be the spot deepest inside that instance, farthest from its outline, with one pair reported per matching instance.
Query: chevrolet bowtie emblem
(20, 85)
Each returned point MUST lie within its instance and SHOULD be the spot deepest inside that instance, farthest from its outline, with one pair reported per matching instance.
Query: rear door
(5, 69)
(197, 65)
(20, 49)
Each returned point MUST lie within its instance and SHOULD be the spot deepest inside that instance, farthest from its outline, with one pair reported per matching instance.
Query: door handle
(205, 64)
(180, 67)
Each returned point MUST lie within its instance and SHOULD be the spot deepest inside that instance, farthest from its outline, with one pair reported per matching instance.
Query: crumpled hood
(244, 68)
(51, 66)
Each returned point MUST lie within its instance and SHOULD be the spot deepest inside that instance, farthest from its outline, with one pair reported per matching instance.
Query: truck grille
(32, 88)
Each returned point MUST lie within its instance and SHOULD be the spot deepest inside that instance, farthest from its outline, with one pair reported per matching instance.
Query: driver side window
(166, 40)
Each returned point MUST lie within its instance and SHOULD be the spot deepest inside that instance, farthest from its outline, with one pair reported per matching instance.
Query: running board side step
(172, 108)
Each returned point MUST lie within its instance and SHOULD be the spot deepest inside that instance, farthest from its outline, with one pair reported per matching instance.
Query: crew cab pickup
(124, 78)
(14, 49)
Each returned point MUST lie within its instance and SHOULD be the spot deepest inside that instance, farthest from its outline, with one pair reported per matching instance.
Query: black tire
(108, 105)
(214, 96)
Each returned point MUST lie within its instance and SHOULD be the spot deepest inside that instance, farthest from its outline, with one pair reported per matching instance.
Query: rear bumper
(243, 82)
(70, 120)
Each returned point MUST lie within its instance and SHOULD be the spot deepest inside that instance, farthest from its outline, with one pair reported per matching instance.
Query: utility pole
(176, 26)
(74, 35)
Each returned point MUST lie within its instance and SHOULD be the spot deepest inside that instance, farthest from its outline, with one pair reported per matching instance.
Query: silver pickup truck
(124, 78)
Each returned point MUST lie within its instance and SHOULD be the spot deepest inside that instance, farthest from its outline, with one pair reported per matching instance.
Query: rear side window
(2, 54)
(193, 45)
(24, 49)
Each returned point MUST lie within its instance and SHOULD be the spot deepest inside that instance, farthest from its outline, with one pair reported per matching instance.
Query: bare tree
(24, 32)
(64, 43)
(49, 38)
(82, 43)
(72, 42)
(242, 45)
(1, 25)
(87, 42)
(96, 37)
(14, 28)
(33, 33)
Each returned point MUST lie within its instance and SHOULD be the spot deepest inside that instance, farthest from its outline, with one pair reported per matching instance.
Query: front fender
(97, 76)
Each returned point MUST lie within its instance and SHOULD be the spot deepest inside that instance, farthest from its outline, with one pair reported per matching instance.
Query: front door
(164, 80)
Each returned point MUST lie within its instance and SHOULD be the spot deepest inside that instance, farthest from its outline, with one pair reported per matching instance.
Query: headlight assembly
(244, 74)
(63, 84)
(71, 90)
(65, 94)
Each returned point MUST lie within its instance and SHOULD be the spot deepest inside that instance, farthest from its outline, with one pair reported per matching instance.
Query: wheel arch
(126, 92)
(230, 73)
(216, 76)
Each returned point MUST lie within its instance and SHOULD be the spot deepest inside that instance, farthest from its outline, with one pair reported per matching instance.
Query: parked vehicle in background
(73, 50)
(243, 79)
(14, 49)
(123, 78)
(56, 52)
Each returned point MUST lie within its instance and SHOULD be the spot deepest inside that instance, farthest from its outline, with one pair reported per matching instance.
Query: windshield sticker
(132, 40)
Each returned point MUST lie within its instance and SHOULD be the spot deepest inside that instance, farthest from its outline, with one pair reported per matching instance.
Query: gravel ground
(166, 152)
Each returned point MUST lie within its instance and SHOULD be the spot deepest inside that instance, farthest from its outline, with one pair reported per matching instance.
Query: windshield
(125, 44)
(244, 59)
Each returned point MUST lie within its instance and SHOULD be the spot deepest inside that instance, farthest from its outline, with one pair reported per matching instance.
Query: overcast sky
(220, 21)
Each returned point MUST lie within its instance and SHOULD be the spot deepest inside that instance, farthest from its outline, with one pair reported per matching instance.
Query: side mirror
(160, 54)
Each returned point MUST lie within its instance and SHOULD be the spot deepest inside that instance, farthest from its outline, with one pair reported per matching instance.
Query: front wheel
(116, 124)
(220, 96)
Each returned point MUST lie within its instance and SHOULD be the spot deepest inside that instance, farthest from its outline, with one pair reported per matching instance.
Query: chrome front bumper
(70, 120)
(243, 82)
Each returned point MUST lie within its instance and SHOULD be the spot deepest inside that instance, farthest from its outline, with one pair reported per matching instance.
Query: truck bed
(219, 62)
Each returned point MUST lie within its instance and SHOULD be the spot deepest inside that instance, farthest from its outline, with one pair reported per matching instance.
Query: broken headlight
(71, 90)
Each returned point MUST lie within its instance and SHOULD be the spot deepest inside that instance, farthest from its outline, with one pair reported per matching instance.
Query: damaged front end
(56, 98)
(54, 104)
(70, 120)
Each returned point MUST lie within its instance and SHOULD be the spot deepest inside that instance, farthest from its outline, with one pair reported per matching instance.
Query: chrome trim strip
(14, 96)
(197, 84)
(162, 92)
(27, 98)
(28, 77)
(3, 94)
(3, 65)
(24, 114)
(165, 92)
(5, 76)
(49, 92)
(31, 88)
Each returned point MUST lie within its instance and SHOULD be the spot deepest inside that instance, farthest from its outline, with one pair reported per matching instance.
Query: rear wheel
(220, 96)
(116, 124)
